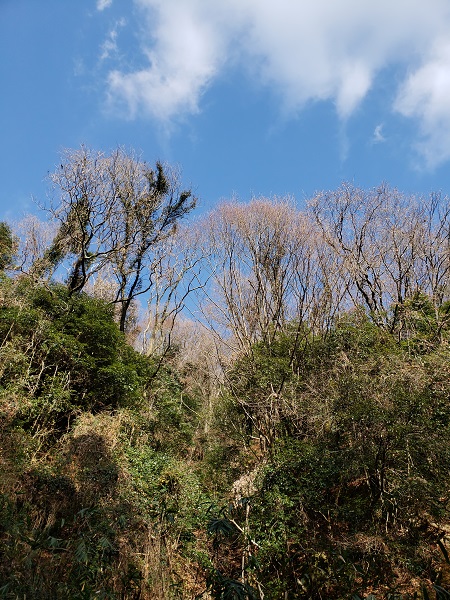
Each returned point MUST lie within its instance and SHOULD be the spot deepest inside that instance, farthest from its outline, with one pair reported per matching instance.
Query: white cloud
(109, 46)
(102, 4)
(303, 51)
(378, 136)
(183, 60)
(425, 95)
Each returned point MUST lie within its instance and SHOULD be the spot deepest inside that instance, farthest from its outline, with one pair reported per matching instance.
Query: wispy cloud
(378, 136)
(109, 46)
(102, 4)
(303, 51)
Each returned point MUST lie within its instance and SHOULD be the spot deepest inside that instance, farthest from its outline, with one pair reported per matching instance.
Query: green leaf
(105, 544)
(444, 551)
(54, 543)
(221, 526)
(441, 593)
(81, 553)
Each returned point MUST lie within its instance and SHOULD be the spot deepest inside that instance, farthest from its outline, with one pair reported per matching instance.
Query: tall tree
(375, 237)
(265, 269)
(113, 212)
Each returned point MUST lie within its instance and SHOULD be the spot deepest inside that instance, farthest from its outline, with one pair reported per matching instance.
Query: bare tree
(346, 220)
(434, 247)
(113, 212)
(34, 238)
(176, 276)
(375, 239)
(264, 267)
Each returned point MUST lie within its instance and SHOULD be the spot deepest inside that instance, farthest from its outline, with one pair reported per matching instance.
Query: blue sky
(248, 97)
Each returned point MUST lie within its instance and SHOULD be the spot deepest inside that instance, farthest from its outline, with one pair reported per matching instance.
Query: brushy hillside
(323, 472)
(291, 441)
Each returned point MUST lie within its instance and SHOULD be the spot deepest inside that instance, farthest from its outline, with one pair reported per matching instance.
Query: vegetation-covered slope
(293, 443)
(91, 488)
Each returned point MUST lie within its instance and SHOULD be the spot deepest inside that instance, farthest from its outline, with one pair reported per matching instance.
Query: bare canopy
(113, 211)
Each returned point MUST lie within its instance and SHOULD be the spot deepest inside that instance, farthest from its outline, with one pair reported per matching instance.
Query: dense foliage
(353, 493)
(92, 497)
(338, 446)
(295, 443)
